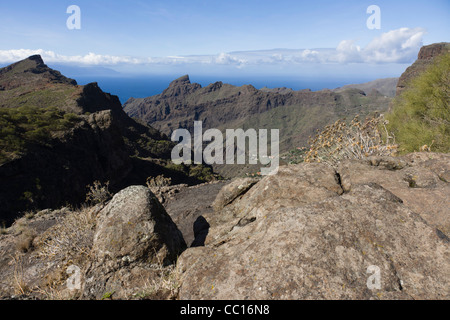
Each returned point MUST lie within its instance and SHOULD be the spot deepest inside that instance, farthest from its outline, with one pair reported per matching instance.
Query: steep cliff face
(425, 58)
(57, 137)
(420, 114)
(57, 173)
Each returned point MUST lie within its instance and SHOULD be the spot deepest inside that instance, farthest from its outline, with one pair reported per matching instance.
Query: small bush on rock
(158, 182)
(98, 193)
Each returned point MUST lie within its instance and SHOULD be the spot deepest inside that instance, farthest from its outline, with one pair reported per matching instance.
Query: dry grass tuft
(24, 242)
(158, 182)
(19, 283)
(163, 287)
(98, 193)
(72, 237)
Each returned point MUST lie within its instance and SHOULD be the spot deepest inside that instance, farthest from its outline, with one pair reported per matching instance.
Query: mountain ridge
(184, 102)
(297, 114)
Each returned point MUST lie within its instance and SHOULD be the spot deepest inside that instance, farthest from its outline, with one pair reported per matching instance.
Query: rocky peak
(37, 58)
(221, 105)
(93, 99)
(433, 50)
(31, 73)
(215, 86)
(29, 64)
(426, 56)
(184, 80)
(180, 87)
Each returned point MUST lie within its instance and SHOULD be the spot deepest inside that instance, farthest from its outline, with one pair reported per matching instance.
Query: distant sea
(145, 86)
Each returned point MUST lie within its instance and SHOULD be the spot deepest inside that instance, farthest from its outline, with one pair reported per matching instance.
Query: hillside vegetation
(420, 118)
(25, 125)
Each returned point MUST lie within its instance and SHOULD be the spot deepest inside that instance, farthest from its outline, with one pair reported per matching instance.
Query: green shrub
(420, 118)
(177, 167)
(201, 173)
(26, 125)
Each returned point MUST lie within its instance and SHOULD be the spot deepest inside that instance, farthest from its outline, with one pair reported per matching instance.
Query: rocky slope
(57, 137)
(309, 232)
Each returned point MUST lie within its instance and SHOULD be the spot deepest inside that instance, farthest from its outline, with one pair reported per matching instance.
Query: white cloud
(396, 46)
(228, 59)
(7, 56)
(348, 51)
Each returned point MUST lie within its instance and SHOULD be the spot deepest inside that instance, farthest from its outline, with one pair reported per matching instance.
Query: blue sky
(149, 36)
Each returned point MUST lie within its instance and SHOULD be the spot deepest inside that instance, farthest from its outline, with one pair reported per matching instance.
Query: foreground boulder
(313, 232)
(135, 237)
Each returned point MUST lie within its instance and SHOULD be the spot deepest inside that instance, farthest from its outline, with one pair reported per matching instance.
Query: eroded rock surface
(312, 232)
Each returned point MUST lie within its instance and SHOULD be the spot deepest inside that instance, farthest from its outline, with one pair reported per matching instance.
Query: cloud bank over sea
(398, 46)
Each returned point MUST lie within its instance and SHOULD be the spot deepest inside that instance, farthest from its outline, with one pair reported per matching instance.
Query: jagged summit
(181, 81)
(31, 72)
(27, 64)
(30, 82)
(37, 58)
(433, 50)
(181, 87)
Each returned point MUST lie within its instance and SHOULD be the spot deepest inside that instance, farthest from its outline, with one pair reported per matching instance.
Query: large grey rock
(293, 186)
(421, 180)
(134, 237)
(305, 238)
